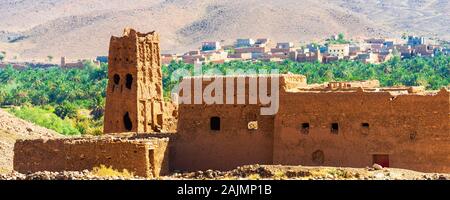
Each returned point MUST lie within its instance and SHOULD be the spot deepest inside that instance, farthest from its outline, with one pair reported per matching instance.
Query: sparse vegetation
(254, 177)
(103, 171)
(339, 173)
(284, 172)
(279, 175)
(45, 118)
(340, 40)
(4, 171)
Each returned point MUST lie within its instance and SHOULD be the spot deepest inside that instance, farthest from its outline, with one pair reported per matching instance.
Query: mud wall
(134, 100)
(146, 158)
(412, 131)
(243, 135)
(197, 147)
(159, 157)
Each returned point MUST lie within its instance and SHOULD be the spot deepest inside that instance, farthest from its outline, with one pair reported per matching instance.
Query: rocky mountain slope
(13, 128)
(34, 29)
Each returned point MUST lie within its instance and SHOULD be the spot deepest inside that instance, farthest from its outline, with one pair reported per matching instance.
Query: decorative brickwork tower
(134, 96)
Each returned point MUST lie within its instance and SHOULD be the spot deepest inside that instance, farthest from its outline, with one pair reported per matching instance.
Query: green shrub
(66, 110)
(103, 171)
(46, 119)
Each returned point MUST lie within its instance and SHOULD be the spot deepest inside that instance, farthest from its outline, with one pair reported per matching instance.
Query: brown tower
(134, 96)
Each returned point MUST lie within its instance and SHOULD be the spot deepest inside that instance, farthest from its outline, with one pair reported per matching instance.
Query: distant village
(372, 50)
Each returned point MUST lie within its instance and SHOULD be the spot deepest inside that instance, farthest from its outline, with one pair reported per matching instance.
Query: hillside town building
(371, 50)
(339, 50)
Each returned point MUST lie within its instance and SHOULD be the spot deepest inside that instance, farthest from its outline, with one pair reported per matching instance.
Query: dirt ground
(253, 172)
(278, 172)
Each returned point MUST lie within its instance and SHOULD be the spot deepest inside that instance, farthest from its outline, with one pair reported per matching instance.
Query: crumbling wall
(134, 100)
(244, 136)
(170, 116)
(197, 147)
(411, 130)
(143, 157)
(159, 157)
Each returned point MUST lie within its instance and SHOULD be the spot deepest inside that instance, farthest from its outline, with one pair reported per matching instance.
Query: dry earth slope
(13, 128)
(34, 29)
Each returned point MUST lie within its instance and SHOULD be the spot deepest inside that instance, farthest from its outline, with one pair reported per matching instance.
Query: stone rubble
(66, 175)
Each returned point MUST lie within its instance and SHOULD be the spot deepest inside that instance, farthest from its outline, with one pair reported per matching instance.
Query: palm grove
(71, 101)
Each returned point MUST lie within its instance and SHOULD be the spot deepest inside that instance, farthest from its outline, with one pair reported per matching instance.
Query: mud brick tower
(134, 101)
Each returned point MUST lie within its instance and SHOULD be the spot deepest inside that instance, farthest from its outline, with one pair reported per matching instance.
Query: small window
(304, 128)
(365, 125)
(335, 128)
(365, 128)
(128, 81)
(215, 123)
(116, 79)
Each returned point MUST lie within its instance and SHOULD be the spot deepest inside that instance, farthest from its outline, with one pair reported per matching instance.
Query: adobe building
(135, 116)
(339, 50)
(141, 155)
(134, 96)
(348, 124)
(355, 127)
(345, 124)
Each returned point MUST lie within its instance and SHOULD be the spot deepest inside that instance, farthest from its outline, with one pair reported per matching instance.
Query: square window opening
(335, 128)
(215, 123)
(304, 128)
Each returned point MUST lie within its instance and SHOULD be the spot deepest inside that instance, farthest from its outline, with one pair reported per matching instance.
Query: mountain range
(35, 29)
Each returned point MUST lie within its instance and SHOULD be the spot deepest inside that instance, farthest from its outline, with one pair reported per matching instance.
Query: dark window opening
(335, 128)
(127, 122)
(365, 128)
(116, 79)
(381, 159)
(305, 128)
(215, 123)
(129, 81)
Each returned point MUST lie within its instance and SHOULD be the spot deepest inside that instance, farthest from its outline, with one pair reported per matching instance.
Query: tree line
(432, 73)
(78, 95)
